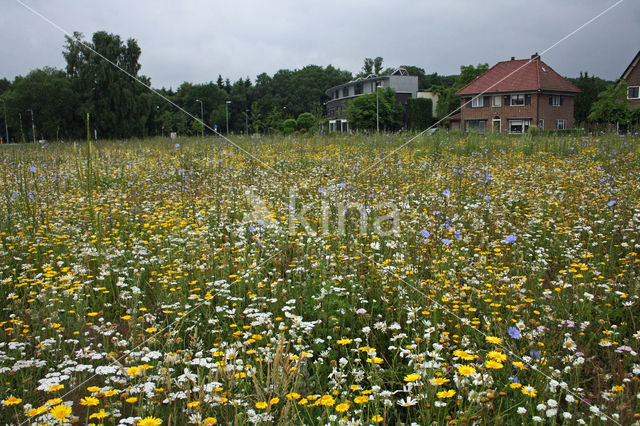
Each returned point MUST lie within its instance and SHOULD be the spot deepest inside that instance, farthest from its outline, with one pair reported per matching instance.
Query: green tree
(120, 106)
(289, 126)
(306, 121)
(448, 102)
(49, 94)
(361, 112)
(612, 106)
(586, 98)
(419, 113)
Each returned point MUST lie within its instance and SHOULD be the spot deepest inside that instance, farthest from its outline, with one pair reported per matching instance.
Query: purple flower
(33, 169)
(509, 239)
(425, 233)
(252, 229)
(177, 145)
(260, 222)
(446, 193)
(514, 333)
(446, 241)
(321, 190)
(611, 203)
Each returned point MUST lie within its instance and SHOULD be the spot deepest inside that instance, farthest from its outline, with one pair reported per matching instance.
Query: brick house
(513, 95)
(632, 76)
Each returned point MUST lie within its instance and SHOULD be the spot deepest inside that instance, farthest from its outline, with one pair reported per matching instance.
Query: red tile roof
(518, 75)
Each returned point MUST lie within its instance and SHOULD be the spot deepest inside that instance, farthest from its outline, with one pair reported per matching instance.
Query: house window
(519, 126)
(477, 102)
(497, 101)
(476, 125)
(358, 89)
(517, 100)
(555, 100)
(561, 124)
(633, 92)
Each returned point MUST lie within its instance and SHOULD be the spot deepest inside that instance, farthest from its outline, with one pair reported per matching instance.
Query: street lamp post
(6, 126)
(227, 110)
(246, 121)
(377, 108)
(201, 116)
(33, 126)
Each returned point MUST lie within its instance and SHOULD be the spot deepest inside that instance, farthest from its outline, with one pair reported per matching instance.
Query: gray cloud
(197, 40)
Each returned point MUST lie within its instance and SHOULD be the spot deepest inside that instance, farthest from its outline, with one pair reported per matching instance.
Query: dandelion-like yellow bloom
(362, 399)
(493, 364)
(133, 371)
(99, 415)
(12, 401)
(377, 418)
(341, 408)
(89, 401)
(515, 385)
(439, 381)
(132, 399)
(463, 355)
(411, 377)
(497, 356)
(261, 405)
(494, 340)
(344, 341)
(60, 412)
(274, 401)
(193, 404)
(446, 394)
(210, 421)
(293, 395)
(54, 388)
(94, 389)
(37, 411)
(466, 370)
(327, 400)
(150, 421)
(111, 392)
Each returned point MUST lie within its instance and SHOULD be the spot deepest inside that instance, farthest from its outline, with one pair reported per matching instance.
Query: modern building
(513, 95)
(405, 86)
(632, 76)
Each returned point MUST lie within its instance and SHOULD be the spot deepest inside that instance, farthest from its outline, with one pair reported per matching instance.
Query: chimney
(535, 57)
(513, 58)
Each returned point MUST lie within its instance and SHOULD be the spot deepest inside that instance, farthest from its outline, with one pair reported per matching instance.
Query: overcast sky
(195, 40)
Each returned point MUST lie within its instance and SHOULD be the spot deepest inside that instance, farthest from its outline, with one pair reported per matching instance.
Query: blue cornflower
(514, 333)
(446, 241)
(509, 239)
(425, 233)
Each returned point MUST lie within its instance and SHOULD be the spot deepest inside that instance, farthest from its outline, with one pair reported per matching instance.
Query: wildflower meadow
(321, 280)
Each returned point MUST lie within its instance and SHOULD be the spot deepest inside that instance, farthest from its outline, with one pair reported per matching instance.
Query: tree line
(52, 104)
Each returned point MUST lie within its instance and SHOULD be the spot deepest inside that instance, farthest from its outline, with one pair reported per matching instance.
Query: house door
(496, 125)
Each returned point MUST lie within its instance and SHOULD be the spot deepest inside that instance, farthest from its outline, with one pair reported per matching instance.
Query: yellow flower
(293, 395)
(54, 388)
(327, 400)
(341, 408)
(89, 401)
(274, 401)
(37, 411)
(497, 356)
(344, 341)
(362, 399)
(193, 404)
(515, 385)
(54, 401)
(529, 390)
(92, 314)
(377, 418)
(493, 364)
(210, 421)
(411, 377)
(132, 400)
(463, 355)
(439, 381)
(151, 330)
(111, 392)
(446, 394)
(93, 389)
(261, 405)
(466, 370)
(60, 412)
(12, 401)
(133, 371)
(99, 415)
(150, 421)
(494, 340)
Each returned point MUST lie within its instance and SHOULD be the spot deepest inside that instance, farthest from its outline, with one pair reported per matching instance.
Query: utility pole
(246, 121)
(227, 109)
(377, 108)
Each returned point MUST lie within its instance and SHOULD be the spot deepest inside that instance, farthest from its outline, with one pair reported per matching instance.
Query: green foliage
(612, 106)
(448, 102)
(420, 113)
(306, 121)
(361, 112)
(50, 95)
(289, 126)
(585, 99)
